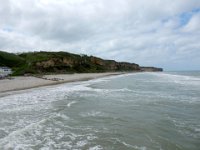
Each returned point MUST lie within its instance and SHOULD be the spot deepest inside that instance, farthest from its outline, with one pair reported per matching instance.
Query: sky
(161, 33)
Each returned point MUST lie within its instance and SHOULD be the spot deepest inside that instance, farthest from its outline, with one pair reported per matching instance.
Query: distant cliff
(151, 69)
(63, 62)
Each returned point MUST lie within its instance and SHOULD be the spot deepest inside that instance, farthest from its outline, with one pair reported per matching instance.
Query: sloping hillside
(10, 60)
(61, 62)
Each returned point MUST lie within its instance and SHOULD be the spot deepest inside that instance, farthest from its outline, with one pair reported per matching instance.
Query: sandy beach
(22, 83)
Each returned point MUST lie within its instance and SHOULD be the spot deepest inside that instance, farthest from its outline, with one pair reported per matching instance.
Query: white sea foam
(129, 145)
(179, 79)
(71, 103)
(92, 113)
(61, 116)
(38, 118)
(98, 147)
(197, 129)
(46, 134)
(82, 143)
(186, 127)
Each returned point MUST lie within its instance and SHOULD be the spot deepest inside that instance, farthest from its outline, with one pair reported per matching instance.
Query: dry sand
(21, 83)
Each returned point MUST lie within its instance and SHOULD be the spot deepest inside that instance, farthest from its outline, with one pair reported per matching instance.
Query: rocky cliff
(63, 62)
(83, 64)
(151, 69)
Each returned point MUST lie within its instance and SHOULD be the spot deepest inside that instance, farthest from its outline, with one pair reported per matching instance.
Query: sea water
(141, 111)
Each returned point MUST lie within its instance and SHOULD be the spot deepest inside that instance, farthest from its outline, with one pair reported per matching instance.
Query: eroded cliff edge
(64, 62)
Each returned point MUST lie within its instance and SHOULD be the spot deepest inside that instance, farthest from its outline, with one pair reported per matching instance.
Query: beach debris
(52, 79)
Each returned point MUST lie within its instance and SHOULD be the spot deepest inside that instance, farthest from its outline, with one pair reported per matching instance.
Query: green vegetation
(10, 60)
(60, 62)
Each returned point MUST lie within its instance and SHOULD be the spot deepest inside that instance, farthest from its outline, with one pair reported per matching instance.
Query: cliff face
(53, 62)
(63, 62)
(83, 64)
(128, 66)
(115, 66)
(151, 69)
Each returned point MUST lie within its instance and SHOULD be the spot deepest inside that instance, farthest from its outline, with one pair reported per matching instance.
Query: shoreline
(21, 83)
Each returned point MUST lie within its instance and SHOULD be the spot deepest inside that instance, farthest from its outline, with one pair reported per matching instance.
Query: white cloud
(194, 24)
(149, 32)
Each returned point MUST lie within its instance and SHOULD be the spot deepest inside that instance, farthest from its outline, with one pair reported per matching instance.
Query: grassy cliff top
(10, 60)
(61, 62)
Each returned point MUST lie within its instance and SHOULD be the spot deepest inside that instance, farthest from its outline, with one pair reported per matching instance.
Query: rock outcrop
(83, 64)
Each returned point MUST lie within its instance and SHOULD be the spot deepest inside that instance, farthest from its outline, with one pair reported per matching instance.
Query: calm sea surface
(142, 111)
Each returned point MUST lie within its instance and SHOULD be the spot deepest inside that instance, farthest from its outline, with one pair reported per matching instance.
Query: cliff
(52, 62)
(64, 62)
(151, 69)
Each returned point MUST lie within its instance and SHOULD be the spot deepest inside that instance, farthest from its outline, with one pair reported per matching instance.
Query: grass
(60, 62)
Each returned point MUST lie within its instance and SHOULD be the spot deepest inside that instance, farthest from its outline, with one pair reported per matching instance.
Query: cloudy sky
(163, 33)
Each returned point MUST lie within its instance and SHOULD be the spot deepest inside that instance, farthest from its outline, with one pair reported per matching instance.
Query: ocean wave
(49, 133)
(92, 114)
(188, 128)
(43, 119)
(98, 147)
(179, 79)
(71, 103)
(129, 145)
